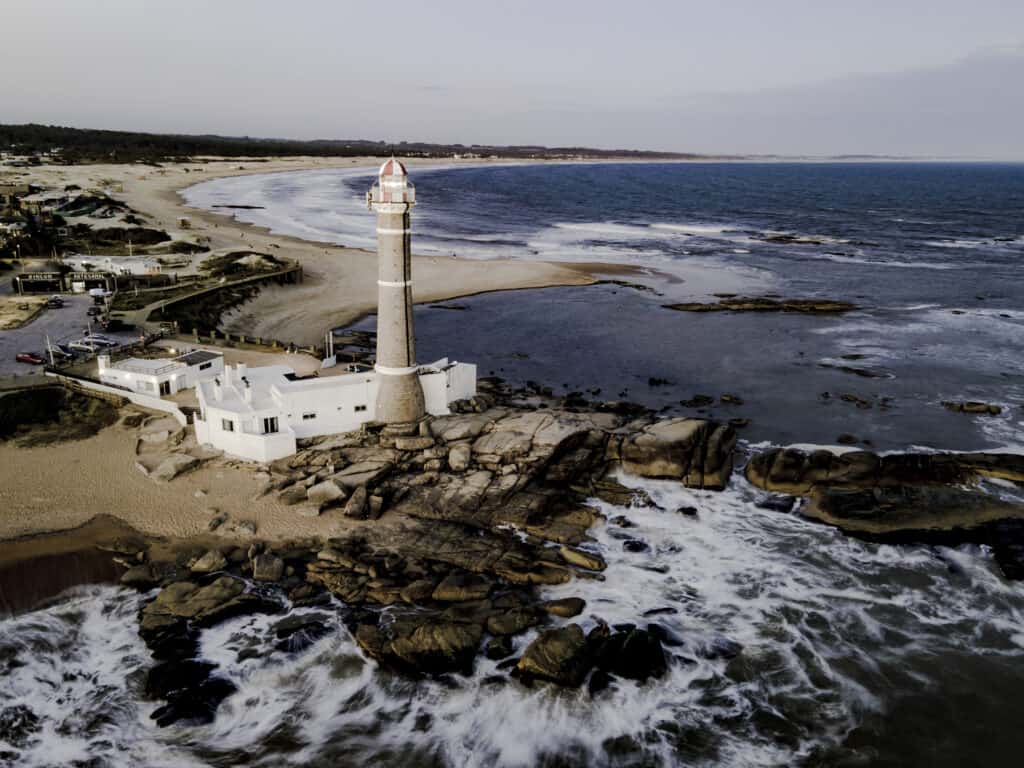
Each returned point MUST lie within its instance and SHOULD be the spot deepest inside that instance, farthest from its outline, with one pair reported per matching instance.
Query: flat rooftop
(197, 356)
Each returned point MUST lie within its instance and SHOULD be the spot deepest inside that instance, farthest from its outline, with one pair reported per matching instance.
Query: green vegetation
(80, 145)
(47, 415)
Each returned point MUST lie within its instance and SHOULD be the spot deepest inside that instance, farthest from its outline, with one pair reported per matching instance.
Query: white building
(120, 265)
(259, 413)
(161, 377)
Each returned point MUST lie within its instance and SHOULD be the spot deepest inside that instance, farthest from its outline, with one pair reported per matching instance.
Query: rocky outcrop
(763, 304)
(903, 498)
(972, 406)
(696, 452)
(785, 470)
(431, 648)
(559, 655)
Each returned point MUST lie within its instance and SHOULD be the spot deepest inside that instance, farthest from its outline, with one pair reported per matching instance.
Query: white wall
(333, 400)
(245, 445)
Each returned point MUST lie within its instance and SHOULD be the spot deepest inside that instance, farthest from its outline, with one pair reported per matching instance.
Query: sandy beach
(339, 283)
(98, 475)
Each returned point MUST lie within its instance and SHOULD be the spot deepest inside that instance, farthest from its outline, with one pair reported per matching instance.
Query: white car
(84, 346)
(102, 341)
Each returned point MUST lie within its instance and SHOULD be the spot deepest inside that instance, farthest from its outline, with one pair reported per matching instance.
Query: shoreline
(340, 281)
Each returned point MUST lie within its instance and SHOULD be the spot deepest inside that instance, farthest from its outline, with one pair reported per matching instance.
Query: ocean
(852, 653)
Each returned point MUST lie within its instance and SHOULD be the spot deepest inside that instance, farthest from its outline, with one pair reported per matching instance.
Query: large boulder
(267, 567)
(172, 466)
(432, 647)
(788, 470)
(636, 655)
(327, 492)
(699, 453)
(367, 473)
(458, 586)
(559, 655)
(210, 561)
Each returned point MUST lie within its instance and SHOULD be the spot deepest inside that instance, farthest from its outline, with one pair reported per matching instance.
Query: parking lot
(62, 325)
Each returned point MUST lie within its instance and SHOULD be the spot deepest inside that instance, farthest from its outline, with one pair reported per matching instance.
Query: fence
(118, 394)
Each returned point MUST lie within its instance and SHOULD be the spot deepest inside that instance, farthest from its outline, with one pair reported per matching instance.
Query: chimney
(246, 389)
(241, 369)
(103, 361)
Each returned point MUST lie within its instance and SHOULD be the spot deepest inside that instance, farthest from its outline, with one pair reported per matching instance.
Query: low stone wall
(105, 390)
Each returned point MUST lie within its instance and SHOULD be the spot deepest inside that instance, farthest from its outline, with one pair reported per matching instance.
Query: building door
(269, 425)
(165, 388)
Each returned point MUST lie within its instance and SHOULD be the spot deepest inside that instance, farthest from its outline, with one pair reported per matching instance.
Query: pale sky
(906, 77)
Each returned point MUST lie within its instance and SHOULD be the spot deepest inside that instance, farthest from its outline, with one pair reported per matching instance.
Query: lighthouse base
(399, 398)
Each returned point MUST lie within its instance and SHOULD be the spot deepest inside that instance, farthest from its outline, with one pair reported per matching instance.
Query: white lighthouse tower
(399, 392)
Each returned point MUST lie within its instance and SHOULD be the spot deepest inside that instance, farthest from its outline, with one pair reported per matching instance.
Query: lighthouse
(399, 392)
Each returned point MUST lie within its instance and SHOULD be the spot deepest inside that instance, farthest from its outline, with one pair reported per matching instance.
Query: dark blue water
(932, 253)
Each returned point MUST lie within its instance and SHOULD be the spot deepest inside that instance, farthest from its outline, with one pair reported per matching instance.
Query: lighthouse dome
(392, 167)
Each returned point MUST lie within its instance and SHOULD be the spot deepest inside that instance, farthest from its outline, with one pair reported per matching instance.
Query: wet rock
(204, 605)
(498, 648)
(687, 511)
(566, 608)
(634, 654)
(698, 401)
(636, 545)
(578, 557)
(791, 471)
(558, 655)
(191, 690)
(722, 648)
(514, 621)
(140, 577)
(296, 633)
(436, 648)
(972, 406)
(763, 304)
(211, 561)
(267, 567)
(459, 585)
(698, 453)
(216, 522)
(18, 724)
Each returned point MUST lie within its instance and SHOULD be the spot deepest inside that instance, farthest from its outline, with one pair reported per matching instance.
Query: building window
(308, 416)
(360, 408)
(204, 366)
(227, 425)
(270, 425)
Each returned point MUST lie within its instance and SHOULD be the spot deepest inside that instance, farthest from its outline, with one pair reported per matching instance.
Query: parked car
(85, 346)
(29, 357)
(58, 353)
(93, 311)
(65, 349)
(55, 302)
(103, 341)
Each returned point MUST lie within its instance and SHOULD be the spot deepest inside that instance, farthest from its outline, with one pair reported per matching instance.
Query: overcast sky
(906, 77)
